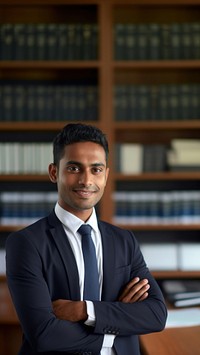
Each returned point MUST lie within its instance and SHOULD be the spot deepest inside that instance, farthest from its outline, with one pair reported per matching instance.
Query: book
(160, 256)
(195, 45)
(189, 256)
(186, 302)
(182, 293)
(119, 41)
(154, 42)
(30, 41)
(131, 158)
(7, 41)
(19, 41)
(62, 41)
(121, 102)
(52, 41)
(175, 41)
(142, 41)
(166, 41)
(154, 157)
(41, 41)
(130, 41)
(186, 41)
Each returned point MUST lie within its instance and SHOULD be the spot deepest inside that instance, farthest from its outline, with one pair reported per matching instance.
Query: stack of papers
(186, 317)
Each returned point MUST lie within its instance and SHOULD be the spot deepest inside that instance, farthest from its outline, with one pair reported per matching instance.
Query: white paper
(183, 317)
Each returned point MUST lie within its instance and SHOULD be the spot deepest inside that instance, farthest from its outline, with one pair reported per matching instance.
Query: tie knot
(85, 229)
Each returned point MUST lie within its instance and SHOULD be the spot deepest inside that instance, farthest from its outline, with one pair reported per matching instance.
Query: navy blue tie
(91, 280)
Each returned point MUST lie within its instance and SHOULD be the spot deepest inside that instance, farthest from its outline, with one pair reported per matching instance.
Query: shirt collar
(71, 222)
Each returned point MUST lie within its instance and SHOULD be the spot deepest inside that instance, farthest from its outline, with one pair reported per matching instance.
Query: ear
(107, 173)
(53, 172)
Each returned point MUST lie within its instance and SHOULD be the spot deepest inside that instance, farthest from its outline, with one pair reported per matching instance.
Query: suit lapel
(108, 261)
(66, 254)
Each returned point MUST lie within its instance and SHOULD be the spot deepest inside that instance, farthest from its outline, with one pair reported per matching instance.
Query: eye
(97, 170)
(73, 169)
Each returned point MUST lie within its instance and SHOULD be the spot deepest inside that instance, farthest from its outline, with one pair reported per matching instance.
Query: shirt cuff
(91, 314)
(108, 338)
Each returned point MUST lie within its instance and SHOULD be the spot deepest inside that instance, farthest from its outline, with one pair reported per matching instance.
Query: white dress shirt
(71, 224)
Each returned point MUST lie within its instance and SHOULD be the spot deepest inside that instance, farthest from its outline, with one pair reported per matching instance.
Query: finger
(144, 296)
(126, 289)
(132, 288)
(134, 295)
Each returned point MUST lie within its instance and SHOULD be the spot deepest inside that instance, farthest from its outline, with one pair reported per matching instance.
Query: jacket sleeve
(32, 301)
(125, 319)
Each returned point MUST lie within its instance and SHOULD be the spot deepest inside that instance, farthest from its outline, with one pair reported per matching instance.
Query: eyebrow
(80, 164)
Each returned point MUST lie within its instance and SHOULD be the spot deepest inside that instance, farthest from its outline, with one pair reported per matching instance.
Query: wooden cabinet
(116, 61)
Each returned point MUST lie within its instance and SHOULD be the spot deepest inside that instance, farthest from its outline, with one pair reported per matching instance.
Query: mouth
(84, 193)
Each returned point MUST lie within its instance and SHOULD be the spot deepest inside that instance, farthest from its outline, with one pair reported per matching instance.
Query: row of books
(157, 207)
(172, 255)
(23, 208)
(154, 41)
(48, 102)
(53, 102)
(49, 41)
(136, 102)
(135, 158)
(25, 158)
(184, 154)
(178, 155)
(182, 293)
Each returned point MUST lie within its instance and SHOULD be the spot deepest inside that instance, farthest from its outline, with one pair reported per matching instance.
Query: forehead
(84, 151)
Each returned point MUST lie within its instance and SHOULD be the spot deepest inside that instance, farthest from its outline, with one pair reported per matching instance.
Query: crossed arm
(135, 291)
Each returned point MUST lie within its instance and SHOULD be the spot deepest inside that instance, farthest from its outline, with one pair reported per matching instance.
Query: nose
(85, 178)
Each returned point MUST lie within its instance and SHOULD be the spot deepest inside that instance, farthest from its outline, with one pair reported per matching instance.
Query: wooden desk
(10, 330)
(172, 341)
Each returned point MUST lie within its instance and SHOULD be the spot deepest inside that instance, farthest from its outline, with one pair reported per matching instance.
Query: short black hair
(74, 133)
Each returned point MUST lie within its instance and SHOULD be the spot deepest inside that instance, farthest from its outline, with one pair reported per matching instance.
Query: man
(45, 264)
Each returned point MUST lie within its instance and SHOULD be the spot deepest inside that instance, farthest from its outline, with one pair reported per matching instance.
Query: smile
(83, 193)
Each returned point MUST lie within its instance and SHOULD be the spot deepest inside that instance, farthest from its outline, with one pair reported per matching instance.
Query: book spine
(19, 41)
(7, 41)
(30, 42)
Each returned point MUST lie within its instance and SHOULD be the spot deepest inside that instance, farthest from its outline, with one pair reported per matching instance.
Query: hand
(73, 311)
(135, 290)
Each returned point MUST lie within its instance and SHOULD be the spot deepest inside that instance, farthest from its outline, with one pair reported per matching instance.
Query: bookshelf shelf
(24, 177)
(158, 126)
(156, 132)
(46, 126)
(46, 65)
(176, 274)
(161, 227)
(157, 64)
(158, 176)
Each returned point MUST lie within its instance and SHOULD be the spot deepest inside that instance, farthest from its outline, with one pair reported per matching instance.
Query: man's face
(81, 177)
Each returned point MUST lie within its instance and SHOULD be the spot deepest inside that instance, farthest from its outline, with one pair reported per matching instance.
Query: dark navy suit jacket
(41, 268)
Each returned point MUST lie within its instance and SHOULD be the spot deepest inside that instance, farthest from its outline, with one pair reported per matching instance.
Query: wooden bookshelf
(107, 72)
